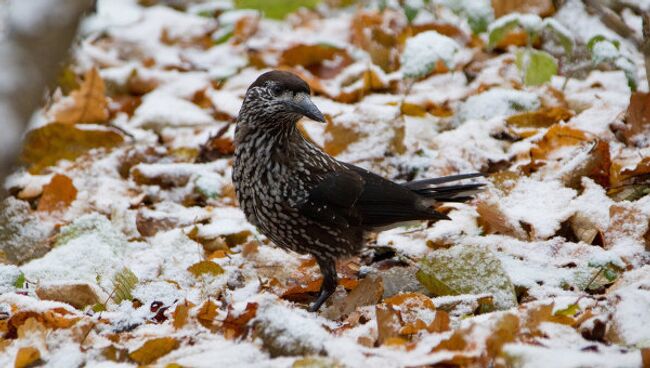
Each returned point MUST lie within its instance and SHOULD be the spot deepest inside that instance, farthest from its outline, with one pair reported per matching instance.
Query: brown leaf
(205, 267)
(494, 221)
(368, 292)
(216, 148)
(89, 103)
(388, 322)
(153, 349)
(236, 326)
(541, 118)
(26, 357)
(556, 137)
(46, 145)
(322, 60)
(207, 314)
(638, 117)
(379, 35)
(245, 27)
(78, 295)
(58, 194)
(504, 332)
(542, 8)
(339, 137)
(181, 314)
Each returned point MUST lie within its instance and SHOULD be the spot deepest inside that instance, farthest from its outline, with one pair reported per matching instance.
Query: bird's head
(277, 97)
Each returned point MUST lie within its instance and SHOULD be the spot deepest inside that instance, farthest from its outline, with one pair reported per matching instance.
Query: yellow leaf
(46, 145)
(180, 315)
(153, 349)
(58, 194)
(27, 356)
(205, 267)
(207, 313)
(88, 103)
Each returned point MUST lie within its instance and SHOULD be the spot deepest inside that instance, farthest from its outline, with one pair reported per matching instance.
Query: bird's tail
(446, 193)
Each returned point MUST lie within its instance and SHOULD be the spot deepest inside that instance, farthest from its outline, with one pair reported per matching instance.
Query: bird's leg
(328, 269)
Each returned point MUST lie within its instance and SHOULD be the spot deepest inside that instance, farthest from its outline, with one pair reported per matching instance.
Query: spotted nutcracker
(304, 199)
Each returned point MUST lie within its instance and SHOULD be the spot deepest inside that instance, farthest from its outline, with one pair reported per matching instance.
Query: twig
(613, 21)
(645, 48)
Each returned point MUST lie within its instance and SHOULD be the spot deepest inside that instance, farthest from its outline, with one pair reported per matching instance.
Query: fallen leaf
(388, 323)
(205, 267)
(637, 127)
(556, 137)
(181, 314)
(78, 295)
(58, 194)
(368, 292)
(493, 221)
(46, 145)
(375, 33)
(322, 60)
(27, 356)
(207, 313)
(236, 326)
(153, 349)
(542, 8)
(88, 104)
(338, 138)
(123, 284)
(541, 118)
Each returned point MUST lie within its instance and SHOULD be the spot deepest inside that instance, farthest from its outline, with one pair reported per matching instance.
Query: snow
(497, 102)
(422, 52)
(101, 232)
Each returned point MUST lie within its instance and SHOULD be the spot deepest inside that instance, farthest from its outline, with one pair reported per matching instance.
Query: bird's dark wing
(332, 201)
(384, 202)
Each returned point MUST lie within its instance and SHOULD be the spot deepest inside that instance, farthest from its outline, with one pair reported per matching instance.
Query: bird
(305, 200)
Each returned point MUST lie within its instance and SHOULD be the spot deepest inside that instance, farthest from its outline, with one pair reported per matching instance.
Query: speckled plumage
(305, 200)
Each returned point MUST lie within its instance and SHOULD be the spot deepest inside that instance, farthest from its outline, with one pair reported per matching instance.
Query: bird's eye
(276, 90)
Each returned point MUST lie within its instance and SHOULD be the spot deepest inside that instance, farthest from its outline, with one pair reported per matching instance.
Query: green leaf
(467, 270)
(276, 9)
(537, 66)
(123, 283)
(564, 37)
(599, 38)
(498, 33)
(569, 311)
(410, 12)
(20, 281)
(99, 307)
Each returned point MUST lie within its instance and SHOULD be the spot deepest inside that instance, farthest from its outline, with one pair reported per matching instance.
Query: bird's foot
(322, 297)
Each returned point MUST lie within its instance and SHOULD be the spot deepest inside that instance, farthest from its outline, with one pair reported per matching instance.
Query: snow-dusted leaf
(123, 283)
(153, 349)
(58, 194)
(88, 104)
(562, 33)
(467, 270)
(538, 67)
(46, 145)
(27, 356)
(424, 52)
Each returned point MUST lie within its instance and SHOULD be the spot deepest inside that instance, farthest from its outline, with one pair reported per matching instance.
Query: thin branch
(645, 48)
(613, 21)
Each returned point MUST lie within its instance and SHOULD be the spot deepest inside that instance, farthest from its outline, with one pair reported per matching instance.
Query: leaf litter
(122, 242)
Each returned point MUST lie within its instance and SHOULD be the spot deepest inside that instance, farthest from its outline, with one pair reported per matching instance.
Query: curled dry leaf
(368, 292)
(493, 221)
(153, 349)
(58, 194)
(378, 34)
(388, 323)
(181, 314)
(46, 145)
(556, 137)
(88, 104)
(322, 60)
(637, 127)
(236, 326)
(541, 118)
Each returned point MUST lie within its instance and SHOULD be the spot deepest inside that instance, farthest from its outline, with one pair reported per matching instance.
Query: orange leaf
(638, 117)
(46, 145)
(153, 349)
(540, 7)
(26, 357)
(88, 103)
(540, 119)
(58, 194)
(388, 322)
(556, 137)
(207, 313)
(235, 326)
(181, 314)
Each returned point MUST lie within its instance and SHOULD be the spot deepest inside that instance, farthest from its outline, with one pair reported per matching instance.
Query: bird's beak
(305, 107)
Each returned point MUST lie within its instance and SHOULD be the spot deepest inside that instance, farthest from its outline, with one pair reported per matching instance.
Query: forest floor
(122, 244)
